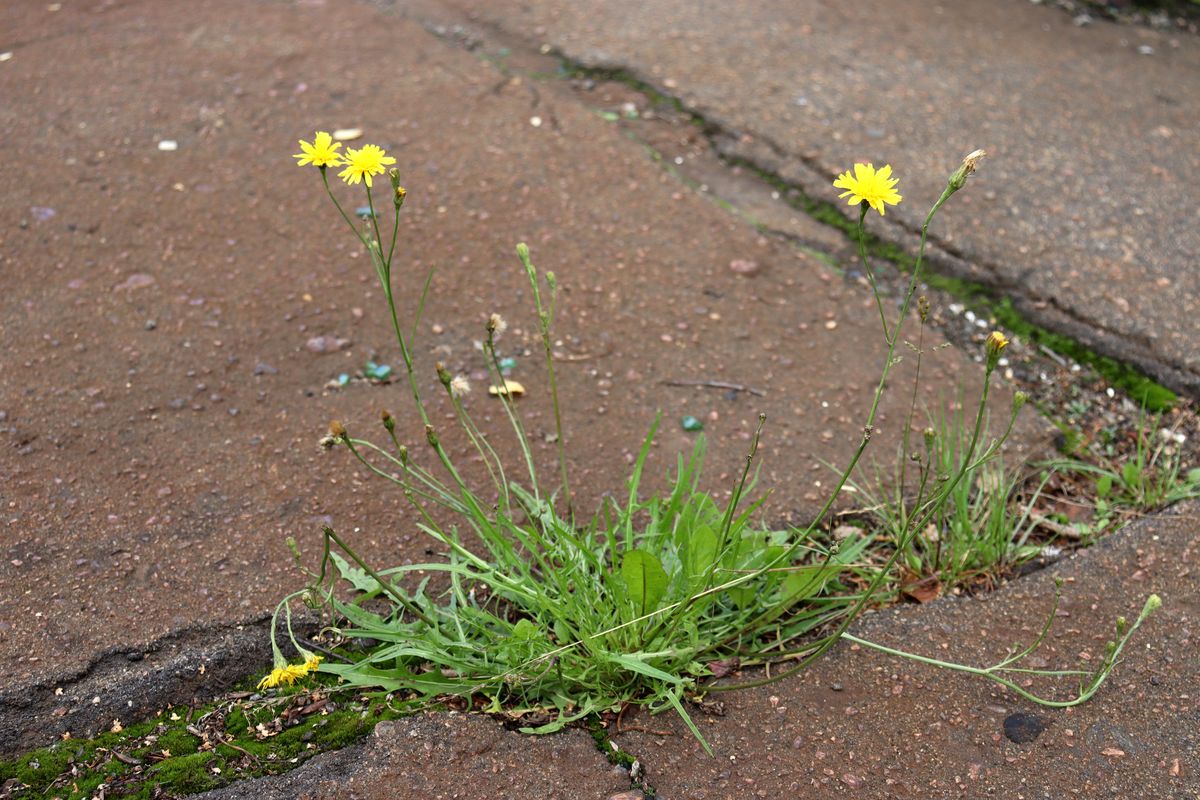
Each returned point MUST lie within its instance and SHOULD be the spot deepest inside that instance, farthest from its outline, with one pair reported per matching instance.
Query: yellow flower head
(364, 162)
(996, 342)
(321, 153)
(283, 676)
(312, 662)
(867, 184)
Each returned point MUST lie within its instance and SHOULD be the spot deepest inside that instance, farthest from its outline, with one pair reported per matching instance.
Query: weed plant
(979, 533)
(1152, 478)
(549, 617)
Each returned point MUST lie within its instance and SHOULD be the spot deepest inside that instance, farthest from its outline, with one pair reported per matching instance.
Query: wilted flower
(496, 326)
(968, 165)
(460, 386)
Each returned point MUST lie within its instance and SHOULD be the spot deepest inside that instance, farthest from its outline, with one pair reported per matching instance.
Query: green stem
(383, 583)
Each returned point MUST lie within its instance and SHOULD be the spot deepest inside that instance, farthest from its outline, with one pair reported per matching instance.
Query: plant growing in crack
(548, 618)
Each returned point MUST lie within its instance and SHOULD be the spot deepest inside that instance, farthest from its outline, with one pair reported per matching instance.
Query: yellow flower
(996, 342)
(875, 187)
(283, 676)
(321, 153)
(312, 662)
(364, 162)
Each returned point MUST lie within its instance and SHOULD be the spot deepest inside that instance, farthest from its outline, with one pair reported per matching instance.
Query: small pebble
(1023, 728)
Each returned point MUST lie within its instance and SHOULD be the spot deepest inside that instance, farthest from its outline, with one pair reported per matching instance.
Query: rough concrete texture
(176, 294)
(863, 724)
(1085, 211)
(446, 756)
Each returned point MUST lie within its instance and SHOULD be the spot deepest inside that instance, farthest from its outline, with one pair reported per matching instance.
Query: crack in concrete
(124, 683)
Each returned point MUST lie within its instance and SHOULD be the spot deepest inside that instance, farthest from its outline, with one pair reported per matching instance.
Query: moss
(617, 757)
(1152, 396)
(189, 769)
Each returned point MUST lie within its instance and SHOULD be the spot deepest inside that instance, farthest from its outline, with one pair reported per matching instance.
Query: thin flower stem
(510, 408)
(862, 253)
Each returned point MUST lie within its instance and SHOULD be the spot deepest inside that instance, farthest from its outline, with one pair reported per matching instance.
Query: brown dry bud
(337, 430)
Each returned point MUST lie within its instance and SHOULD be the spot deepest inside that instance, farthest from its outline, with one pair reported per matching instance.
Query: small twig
(569, 357)
(227, 743)
(643, 729)
(737, 387)
(124, 759)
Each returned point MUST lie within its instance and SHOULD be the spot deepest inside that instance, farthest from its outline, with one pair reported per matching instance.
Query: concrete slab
(1084, 214)
(859, 723)
(166, 268)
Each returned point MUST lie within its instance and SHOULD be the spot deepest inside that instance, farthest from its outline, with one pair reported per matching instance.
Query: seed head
(337, 430)
(496, 326)
(923, 308)
(460, 386)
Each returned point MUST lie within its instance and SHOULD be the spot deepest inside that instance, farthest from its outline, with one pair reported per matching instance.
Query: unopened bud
(1121, 623)
(389, 421)
(443, 374)
(1153, 603)
(1019, 400)
(398, 192)
(930, 437)
(959, 178)
(431, 436)
(404, 455)
(523, 251)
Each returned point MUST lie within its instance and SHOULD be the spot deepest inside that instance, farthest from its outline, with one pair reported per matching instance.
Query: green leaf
(645, 580)
(1104, 485)
(701, 554)
(806, 582)
(1131, 474)
(358, 578)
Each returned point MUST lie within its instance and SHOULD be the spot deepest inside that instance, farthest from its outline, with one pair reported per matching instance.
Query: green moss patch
(188, 750)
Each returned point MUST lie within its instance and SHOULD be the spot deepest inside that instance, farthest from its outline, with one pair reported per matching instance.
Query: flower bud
(389, 422)
(930, 437)
(1019, 400)
(959, 178)
(398, 192)
(337, 430)
(443, 374)
(994, 345)
(1153, 603)
(431, 436)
